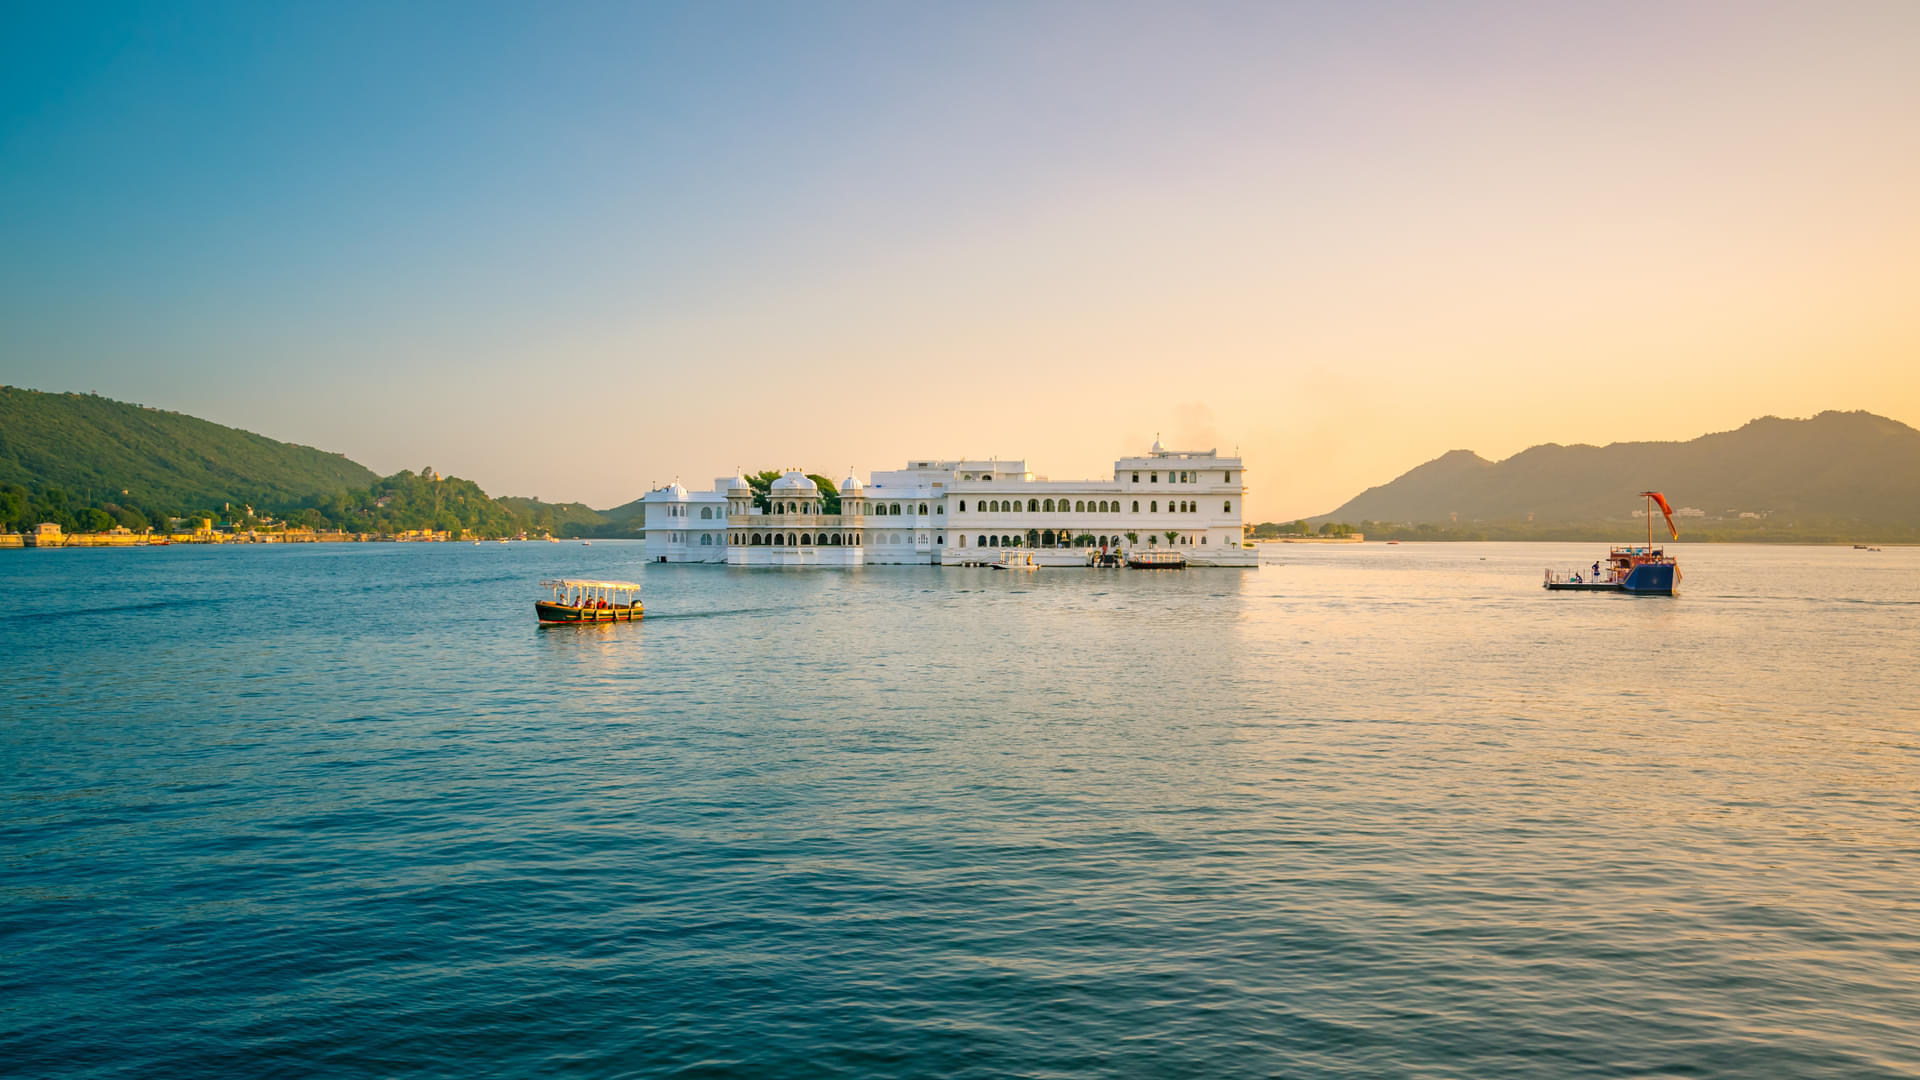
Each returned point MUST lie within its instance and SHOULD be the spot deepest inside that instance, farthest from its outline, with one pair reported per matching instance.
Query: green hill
(88, 463)
(1834, 476)
(97, 451)
(560, 519)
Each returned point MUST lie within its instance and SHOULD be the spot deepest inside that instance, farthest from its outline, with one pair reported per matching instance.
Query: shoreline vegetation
(1824, 533)
(109, 473)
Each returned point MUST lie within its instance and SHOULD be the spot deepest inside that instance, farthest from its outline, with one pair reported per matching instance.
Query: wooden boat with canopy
(578, 601)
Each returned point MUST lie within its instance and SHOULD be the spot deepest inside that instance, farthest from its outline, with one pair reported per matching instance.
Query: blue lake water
(1365, 811)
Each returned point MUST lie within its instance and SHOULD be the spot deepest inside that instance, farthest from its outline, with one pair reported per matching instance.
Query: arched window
(806, 540)
(1136, 506)
(706, 539)
(1153, 507)
(993, 541)
(1047, 506)
(896, 510)
(963, 541)
(979, 541)
(1033, 506)
(923, 509)
(706, 512)
(963, 506)
(1227, 506)
(1046, 538)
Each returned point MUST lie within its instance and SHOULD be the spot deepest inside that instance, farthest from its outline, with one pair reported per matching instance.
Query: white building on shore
(946, 512)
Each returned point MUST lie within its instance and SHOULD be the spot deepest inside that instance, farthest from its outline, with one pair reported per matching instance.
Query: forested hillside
(89, 463)
(95, 451)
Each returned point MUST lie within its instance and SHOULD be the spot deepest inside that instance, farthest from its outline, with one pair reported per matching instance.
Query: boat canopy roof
(582, 583)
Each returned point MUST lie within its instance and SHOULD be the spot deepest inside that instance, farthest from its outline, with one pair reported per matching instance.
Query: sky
(577, 250)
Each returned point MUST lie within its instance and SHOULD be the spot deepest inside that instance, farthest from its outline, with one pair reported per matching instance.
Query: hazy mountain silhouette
(1837, 466)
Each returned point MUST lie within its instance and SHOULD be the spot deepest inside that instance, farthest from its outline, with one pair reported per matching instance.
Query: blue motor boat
(1630, 568)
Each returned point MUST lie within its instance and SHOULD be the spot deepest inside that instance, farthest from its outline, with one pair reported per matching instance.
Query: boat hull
(1652, 579)
(551, 613)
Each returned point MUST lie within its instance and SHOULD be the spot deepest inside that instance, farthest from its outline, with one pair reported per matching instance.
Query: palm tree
(1172, 535)
(1133, 537)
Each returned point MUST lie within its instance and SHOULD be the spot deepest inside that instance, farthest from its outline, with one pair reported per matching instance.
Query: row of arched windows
(992, 506)
(1044, 506)
(798, 539)
(1045, 538)
(1082, 506)
(807, 539)
(886, 509)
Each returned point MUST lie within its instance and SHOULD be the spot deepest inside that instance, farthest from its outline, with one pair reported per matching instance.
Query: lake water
(1366, 811)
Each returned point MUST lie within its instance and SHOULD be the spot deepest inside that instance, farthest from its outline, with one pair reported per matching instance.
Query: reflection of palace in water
(947, 512)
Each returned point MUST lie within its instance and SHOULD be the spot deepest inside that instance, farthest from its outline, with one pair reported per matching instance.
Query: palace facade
(959, 511)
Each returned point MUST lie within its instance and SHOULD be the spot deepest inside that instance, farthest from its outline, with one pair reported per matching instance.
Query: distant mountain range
(1835, 469)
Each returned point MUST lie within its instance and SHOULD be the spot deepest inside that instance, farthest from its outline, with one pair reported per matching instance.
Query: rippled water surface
(1365, 811)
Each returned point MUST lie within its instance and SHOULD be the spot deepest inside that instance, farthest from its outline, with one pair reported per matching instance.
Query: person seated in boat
(1576, 577)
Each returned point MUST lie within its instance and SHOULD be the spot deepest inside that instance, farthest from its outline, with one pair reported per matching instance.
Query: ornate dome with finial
(851, 483)
(675, 491)
(1157, 448)
(795, 481)
(739, 483)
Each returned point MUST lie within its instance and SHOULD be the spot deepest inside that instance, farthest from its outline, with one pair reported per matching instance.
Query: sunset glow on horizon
(1341, 240)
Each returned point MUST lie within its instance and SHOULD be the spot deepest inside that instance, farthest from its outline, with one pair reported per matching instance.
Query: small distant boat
(586, 543)
(551, 540)
(1629, 568)
(162, 542)
(1865, 547)
(1016, 560)
(576, 601)
(1390, 543)
(503, 540)
(1156, 560)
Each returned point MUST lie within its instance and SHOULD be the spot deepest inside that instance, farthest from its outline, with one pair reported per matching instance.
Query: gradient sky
(1344, 237)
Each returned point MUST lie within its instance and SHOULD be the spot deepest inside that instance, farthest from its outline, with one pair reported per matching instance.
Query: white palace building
(951, 512)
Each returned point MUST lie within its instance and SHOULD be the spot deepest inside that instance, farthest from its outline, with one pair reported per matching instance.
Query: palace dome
(795, 480)
(675, 491)
(851, 483)
(739, 483)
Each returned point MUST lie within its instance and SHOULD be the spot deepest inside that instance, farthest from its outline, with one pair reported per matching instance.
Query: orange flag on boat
(1664, 509)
